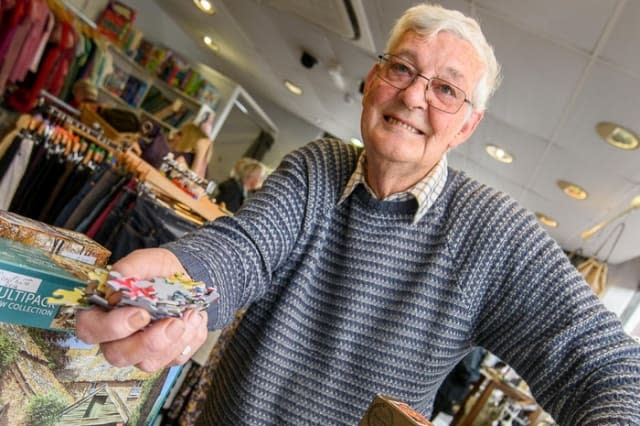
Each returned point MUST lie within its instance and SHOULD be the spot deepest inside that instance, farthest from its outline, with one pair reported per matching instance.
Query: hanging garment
(36, 161)
(7, 157)
(101, 220)
(51, 73)
(37, 29)
(93, 196)
(12, 176)
(68, 189)
(42, 44)
(100, 205)
(10, 28)
(116, 216)
(72, 165)
(71, 205)
(148, 224)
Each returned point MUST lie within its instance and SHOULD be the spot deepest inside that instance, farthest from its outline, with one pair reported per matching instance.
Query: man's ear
(369, 80)
(467, 128)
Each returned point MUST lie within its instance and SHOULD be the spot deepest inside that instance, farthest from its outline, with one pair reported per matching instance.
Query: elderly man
(376, 271)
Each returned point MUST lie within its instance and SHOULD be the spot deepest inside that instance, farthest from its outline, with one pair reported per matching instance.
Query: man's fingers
(130, 339)
(97, 326)
(179, 350)
(150, 343)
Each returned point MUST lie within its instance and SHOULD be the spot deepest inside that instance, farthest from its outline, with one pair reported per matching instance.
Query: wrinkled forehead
(443, 53)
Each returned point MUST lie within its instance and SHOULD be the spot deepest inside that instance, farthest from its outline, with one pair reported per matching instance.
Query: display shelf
(106, 96)
(139, 71)
(112, 97)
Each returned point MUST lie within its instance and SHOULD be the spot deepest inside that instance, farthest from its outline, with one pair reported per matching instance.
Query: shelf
(144, 74)
(167, 126)
(114, 97)
(139, 111)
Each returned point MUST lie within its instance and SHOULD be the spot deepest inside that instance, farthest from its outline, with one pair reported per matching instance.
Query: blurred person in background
(246, 177)
(192, 147)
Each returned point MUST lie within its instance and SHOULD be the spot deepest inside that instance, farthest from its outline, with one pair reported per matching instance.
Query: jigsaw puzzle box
(51, 239)
(52, 378)
(28, 278)
(44, 369)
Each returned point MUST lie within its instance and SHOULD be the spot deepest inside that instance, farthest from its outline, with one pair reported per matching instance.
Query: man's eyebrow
(453, 74)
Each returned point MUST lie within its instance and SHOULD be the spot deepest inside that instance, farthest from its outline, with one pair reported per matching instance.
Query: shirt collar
(425, 192)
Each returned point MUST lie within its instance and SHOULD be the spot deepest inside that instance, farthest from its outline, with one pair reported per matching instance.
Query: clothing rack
(60, 103)
(138, 167)
(169, 164)
(153, 177)
(81, 129)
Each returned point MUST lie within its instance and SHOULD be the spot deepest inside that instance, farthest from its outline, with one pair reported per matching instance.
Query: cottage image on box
(51, 378)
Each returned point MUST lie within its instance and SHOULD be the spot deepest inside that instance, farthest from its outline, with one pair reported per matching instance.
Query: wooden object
(151, 176)
(490, 384)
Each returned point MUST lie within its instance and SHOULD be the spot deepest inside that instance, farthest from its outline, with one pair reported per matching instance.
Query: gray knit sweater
(354, 299)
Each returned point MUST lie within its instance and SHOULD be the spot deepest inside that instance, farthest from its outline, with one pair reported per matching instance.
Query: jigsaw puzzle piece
(67, 297)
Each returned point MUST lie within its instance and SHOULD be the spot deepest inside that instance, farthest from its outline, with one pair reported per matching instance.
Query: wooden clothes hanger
(151, 176)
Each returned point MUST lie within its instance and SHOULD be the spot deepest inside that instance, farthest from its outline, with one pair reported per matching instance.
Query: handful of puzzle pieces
(162, 297)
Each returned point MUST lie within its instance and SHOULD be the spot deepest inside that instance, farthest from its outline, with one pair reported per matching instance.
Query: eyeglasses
(401, 74)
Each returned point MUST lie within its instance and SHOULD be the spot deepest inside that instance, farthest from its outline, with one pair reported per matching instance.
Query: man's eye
(445, 89)
(400, 68)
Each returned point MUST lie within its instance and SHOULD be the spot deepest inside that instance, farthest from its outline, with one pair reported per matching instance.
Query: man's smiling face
(399, 126)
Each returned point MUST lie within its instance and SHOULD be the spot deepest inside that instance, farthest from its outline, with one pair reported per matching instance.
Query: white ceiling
(567, 65)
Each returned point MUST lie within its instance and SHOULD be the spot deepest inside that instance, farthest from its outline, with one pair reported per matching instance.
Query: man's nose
(414, 96)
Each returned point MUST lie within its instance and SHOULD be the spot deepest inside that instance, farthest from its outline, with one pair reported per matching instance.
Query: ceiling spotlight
(617, 136)
(499, 154)
(295, 89)
(209, 42)
(572, 190)
(546, 220)
(206, 6)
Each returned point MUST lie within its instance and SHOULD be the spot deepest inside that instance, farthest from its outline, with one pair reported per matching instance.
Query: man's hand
(126, 336)
(124, 342)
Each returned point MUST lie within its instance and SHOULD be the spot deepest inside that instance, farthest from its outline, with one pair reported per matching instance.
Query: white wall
(623, 282)
(293, 132)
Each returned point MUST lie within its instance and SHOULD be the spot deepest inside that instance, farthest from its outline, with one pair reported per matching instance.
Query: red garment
(38, 18)
(10, 26)
(50, 74)
(97, 224)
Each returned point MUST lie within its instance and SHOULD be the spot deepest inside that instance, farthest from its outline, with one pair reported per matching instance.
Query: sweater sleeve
(539, 315)
(238, 254)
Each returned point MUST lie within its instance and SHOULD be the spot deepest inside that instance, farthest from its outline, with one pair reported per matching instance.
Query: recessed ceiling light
(209, 42)
(617, 136)
(546, 220)
(295, 89)
(357, 142)
(572, 190)
(206, 6)
(499, 154)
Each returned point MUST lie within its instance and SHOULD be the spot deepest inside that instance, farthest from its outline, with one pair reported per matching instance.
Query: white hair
(428, 20)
